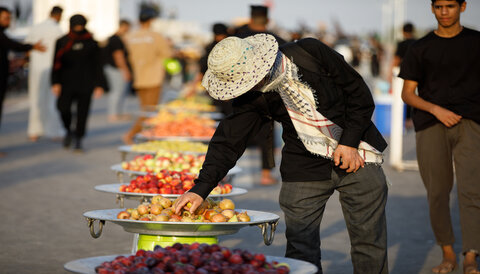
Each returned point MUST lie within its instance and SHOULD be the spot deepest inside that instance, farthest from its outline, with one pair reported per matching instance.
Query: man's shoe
(78, 145)
(67, 140)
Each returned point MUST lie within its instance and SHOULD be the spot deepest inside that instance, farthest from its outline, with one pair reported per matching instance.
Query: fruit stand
(122, 173)
(182, 232)
(145, 197)
(88, 265)
(155, 180)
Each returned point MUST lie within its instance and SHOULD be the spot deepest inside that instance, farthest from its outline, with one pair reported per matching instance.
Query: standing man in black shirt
(77, 74)
(7, 44)
(445, 66)
(330, 141)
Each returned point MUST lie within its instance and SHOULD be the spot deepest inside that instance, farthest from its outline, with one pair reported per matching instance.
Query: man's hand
(348, 157)
(39, 46)
(447, 117)
(127, 76)
(97, 92)
(56, 89)
(186, 198)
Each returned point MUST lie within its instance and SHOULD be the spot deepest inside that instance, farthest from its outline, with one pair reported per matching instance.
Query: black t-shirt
(448, 74)
(114, 43)
(403, 46)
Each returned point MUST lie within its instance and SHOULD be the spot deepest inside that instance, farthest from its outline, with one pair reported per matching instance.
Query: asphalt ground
(45, 190)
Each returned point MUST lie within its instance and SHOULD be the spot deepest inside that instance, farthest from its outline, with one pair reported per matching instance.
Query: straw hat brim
(264, 48)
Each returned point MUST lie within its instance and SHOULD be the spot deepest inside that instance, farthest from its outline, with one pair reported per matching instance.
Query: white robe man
(43, 119)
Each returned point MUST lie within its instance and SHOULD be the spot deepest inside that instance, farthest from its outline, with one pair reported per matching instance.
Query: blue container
(383, 113)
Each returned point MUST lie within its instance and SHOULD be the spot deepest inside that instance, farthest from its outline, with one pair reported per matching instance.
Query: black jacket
(7, 44)
(343, 97)
(80, 67)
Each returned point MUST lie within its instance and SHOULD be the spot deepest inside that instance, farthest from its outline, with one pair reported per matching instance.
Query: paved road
(46, 189)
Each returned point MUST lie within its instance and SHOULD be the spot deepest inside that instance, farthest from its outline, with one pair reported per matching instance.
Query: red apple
(123, 215)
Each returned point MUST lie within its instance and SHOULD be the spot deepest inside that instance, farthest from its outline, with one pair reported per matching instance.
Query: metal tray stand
(145, 197)
(265, 220)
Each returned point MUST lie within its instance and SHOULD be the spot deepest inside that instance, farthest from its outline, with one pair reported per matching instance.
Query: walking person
(408, 31)
(445, 67)
(147, 51)
(77, 74)
(117, 71)
(330, 142)
(7, 44)
(43, 119)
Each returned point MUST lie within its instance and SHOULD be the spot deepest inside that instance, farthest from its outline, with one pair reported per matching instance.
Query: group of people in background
(441, 84)
(72, 68)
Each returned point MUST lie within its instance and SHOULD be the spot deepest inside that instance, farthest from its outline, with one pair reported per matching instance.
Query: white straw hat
(236, 65)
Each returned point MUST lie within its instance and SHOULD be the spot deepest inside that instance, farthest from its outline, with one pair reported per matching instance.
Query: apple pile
(193, 258)
(171, 145)
(161, 209)
(167, 124)
(168, 182)
(165, 160)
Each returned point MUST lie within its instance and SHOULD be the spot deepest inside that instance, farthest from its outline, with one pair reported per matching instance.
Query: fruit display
(193, 258)
(171, 145)
(173, 161)
(168, 182)
(161, 209)
(192, 104)
(167, 124)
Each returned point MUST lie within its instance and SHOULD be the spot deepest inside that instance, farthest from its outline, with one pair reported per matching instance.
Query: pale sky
(355, 16)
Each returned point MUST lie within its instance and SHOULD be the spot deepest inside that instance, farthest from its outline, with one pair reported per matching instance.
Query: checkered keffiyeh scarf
(319, 135)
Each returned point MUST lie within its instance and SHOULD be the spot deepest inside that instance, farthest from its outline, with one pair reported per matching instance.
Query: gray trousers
(118, 90)
(363, 196)
(439, 149)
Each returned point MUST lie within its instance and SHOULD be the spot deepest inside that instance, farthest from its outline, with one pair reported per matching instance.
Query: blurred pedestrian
(408, 32)
(118, 73)
(445, 66)
(265, 139)
(258, 23)
(77, 74)
(330, 143)
(147, 51)
(7, 44)
(43, 119)
(376, 55)
(220, 32)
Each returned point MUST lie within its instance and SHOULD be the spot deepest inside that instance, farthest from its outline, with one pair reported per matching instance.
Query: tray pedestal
(148, 242)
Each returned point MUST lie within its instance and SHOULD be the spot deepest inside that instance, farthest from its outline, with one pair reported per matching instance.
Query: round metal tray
(118, 169)
(183, 138)
(212, 115)
(124, 150)
(87, 265)
(265, 220)
(128, 149)
(114, 188)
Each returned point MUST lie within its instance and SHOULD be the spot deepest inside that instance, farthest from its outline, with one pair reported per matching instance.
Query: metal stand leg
(135, 243)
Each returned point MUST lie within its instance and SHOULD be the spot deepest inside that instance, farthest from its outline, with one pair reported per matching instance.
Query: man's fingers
(345, 164)
(195, 205)
(336, 158)
(181, 202)
(354, 165)
(358, 164)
